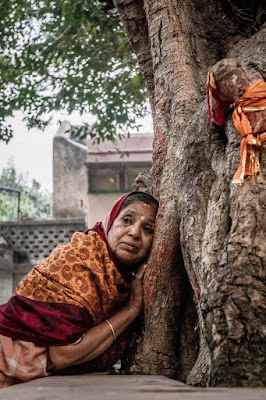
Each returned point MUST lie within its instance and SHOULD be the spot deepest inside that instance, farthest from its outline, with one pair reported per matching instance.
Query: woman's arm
(99, 338)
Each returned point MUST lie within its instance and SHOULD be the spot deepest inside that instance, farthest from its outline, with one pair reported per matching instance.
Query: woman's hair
(141, 196)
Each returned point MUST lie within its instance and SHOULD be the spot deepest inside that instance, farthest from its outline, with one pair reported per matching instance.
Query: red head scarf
(103, 228)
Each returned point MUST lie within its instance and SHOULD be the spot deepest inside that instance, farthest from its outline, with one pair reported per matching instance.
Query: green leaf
(35, 202)
(70, 55)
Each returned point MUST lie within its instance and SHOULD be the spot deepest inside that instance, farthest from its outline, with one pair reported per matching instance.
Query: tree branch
(133, 17)
(48, 49)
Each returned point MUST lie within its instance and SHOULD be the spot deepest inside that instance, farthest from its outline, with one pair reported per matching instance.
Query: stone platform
(121, 387)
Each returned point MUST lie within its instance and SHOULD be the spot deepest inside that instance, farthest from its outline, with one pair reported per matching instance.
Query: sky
(32, 150)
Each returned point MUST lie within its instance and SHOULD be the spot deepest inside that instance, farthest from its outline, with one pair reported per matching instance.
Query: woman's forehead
(140, 209)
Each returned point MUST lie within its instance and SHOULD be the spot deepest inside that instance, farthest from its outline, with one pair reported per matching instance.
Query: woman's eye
(149, 230)
(126, 220)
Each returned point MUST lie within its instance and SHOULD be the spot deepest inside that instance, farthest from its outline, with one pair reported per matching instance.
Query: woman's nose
(134, 231)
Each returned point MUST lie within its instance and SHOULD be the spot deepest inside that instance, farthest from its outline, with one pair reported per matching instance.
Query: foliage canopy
(71, 55)
(34, 201)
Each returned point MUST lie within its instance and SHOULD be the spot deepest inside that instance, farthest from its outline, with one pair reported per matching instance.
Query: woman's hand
(100, 337)
(136, 295)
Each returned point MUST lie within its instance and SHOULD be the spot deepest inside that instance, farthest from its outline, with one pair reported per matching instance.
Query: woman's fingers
(136, 296)
(141, 271)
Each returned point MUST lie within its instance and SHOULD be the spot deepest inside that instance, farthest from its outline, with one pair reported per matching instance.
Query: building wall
(112, 167)
(6, 270)
(99, 204)
(89, 178)
(70, 175)
(135, 148)
(34, 240)
(6, 285)
(27, 243)
(112, 182)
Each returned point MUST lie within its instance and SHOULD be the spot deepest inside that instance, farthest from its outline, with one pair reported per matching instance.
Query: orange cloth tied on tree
(254, 99)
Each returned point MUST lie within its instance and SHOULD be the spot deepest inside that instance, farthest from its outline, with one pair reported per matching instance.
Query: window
(113, 178)
(103, 179)
(131, 174)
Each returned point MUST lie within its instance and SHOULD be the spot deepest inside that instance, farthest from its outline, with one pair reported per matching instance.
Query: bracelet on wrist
(111, 327)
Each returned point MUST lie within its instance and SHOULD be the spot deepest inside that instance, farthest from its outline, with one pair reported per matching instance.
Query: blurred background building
(87, 180)
(89, 177)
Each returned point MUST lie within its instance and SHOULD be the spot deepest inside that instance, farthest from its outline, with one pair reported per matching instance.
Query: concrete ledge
(42, 222)
(122, 387)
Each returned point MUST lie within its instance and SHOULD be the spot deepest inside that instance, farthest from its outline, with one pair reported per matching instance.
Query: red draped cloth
(68, 293)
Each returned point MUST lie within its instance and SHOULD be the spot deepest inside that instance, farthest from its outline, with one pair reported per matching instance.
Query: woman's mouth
(129, 246)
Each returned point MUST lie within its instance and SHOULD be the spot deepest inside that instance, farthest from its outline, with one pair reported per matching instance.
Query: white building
(89, 177)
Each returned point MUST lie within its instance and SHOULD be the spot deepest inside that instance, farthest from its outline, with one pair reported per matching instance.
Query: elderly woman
(73, 309)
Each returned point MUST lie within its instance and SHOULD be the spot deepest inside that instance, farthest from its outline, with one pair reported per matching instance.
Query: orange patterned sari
(74, 289)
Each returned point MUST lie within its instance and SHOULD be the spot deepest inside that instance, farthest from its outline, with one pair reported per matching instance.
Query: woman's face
(130, 236)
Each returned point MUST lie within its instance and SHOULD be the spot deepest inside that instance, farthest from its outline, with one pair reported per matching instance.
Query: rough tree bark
(205, 285)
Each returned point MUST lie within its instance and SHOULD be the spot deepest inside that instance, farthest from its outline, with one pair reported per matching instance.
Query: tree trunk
(204, 312)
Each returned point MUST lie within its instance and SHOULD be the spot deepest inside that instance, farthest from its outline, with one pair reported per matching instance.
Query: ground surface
(121, 387)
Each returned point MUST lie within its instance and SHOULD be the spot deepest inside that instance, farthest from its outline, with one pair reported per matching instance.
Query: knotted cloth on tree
(247, 95)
